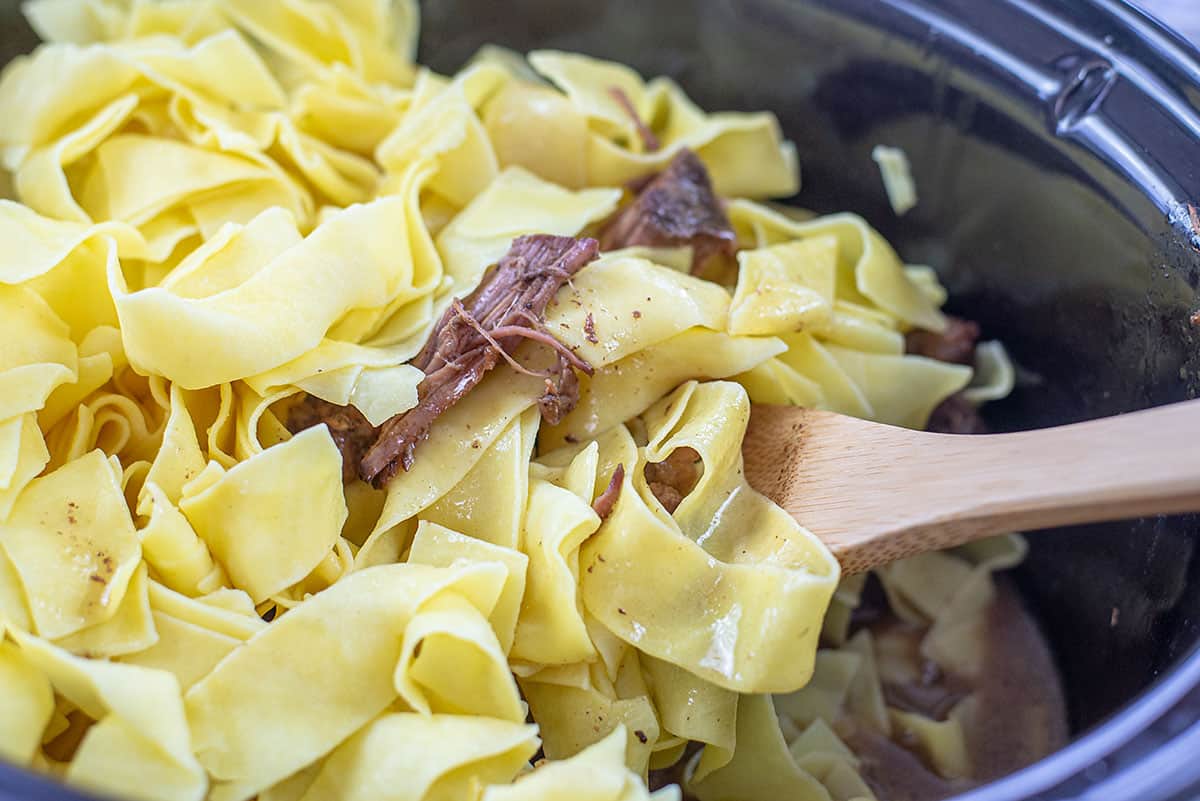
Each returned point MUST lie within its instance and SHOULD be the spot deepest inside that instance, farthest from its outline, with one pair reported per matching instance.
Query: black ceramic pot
(1055, 145)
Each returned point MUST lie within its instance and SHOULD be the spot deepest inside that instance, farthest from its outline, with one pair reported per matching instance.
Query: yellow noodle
(224, 205)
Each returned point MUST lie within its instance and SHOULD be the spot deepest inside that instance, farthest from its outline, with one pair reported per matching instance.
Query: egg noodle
(220, 206)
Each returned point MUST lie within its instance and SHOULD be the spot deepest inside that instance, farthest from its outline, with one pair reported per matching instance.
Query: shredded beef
(475, 333)
(956, 344)
(955, 415)
(676, 207)
(604, 504)
(649, 140)
(673, 478)
(351, 432)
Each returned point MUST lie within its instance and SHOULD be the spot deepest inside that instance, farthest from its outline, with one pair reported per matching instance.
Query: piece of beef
(603, 505)
(872, 605)
(351, 432)
(474, 334)
(562, 392)
(649, 140)
(955, 415)
(673, 478)
(676, 207)
(956, 344)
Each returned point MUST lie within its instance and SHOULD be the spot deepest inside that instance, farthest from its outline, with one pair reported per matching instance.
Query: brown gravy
(1021, 711)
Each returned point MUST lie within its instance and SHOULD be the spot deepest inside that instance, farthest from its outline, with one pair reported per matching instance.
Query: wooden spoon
(875, 493)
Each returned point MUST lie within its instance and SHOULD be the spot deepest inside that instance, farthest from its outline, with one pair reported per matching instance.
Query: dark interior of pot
(1047, 241)
(1076, 267)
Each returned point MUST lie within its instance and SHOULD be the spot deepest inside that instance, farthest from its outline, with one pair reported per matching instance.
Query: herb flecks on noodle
(473, 335)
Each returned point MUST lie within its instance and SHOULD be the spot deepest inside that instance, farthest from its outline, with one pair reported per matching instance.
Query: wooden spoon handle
(883, 493)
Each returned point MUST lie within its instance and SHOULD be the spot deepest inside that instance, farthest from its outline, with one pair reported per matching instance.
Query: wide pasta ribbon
(354, 260)
(357, 625)
(950, 592)
(38, 364)
(38, 244)
(551, 629)
(515, 204)
(228, 204)
(194, 635)
(761, 768)
(264, 535)
(376, 381)
(439, 546)
(840, 301)
(342, 109)
(377, 40)
(594, 774)
(646, 328)
(28, 705)
(409, 757)
(734, 590)
(855, 382)
(458, 442)
(41, 94)
(140, 746)
(24, 455)
(629, 386)
(535, 129)
(868, 268)
(130, 630)
(133, 178)
(73, 545)
(489, 502)
(691, 708)
(440, 126)
(37, 356)
(451, 662)
(573, 716)
(785, 288)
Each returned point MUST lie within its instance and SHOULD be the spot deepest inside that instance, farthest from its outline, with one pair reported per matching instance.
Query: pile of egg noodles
(217, 206)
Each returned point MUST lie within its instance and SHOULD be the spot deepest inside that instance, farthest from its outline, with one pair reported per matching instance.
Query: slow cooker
(1056, 150)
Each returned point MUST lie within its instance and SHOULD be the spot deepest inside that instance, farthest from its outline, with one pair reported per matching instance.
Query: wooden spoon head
(826, 470)
(772, 447)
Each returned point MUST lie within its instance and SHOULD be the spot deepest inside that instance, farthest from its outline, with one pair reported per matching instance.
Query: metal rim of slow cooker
(1082, 770)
